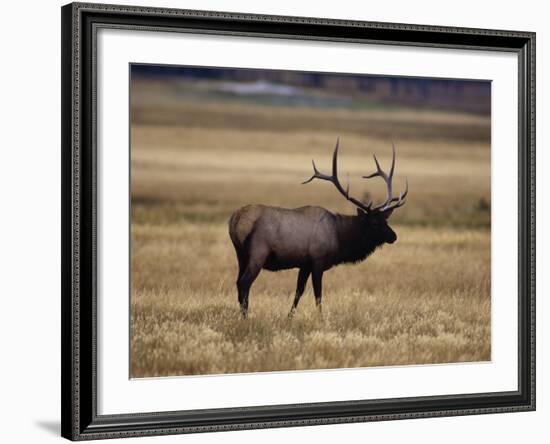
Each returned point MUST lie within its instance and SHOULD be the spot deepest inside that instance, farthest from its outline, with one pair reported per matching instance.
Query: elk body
(310, 238)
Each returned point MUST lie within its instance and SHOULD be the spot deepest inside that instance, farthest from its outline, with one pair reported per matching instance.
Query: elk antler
(391, 202)
(334, 180)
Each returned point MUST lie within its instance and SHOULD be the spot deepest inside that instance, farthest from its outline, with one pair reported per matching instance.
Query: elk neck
(356, 241)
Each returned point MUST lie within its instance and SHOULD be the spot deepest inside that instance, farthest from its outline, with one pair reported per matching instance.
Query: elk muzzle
(391, 237)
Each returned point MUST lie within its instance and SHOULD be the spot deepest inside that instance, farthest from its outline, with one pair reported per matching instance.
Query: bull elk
(310, 238)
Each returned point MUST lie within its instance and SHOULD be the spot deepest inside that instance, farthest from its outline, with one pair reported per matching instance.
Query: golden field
(424, 299)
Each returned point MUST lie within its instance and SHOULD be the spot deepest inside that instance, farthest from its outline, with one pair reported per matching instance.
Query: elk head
(373, 218)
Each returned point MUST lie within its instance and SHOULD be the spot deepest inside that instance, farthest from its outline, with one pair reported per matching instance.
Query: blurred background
(206, 141)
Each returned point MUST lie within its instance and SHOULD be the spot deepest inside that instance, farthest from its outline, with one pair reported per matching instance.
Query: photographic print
(287, 220)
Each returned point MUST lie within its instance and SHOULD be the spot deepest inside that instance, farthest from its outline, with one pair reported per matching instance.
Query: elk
(310, 238)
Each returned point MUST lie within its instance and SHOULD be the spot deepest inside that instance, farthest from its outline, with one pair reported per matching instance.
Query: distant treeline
(458, 95)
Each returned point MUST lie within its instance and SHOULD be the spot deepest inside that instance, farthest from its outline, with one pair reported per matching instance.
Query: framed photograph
(283, 221)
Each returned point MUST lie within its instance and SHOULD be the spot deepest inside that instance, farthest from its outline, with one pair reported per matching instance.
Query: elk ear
(361, 212)
(387, 213)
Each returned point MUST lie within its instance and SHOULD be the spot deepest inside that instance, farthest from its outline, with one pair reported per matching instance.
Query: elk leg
(242, 265)
(303, 275)
(246, 280)
(317, 278)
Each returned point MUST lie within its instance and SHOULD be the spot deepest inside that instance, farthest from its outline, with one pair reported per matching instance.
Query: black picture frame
(78, 332)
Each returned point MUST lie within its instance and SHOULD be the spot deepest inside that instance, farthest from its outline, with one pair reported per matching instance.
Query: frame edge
(67, 357)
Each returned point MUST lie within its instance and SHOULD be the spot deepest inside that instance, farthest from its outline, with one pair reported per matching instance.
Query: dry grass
(425, 299)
